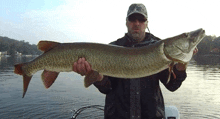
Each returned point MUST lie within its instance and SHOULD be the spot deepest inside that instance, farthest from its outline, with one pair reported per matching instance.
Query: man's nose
(136, 22)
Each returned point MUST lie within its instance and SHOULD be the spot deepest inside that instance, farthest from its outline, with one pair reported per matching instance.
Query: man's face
(136, 25)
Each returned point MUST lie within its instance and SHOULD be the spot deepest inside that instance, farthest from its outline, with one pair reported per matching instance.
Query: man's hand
(83, 68)
(181, 66)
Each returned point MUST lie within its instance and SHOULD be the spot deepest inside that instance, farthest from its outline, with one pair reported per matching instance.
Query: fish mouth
(198, 31)
(203, 35)
(198, 34)
(180, 49)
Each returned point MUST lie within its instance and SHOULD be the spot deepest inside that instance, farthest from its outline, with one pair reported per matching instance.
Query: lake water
(197, 98)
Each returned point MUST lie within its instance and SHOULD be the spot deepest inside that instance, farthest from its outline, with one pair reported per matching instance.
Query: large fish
(110, 60)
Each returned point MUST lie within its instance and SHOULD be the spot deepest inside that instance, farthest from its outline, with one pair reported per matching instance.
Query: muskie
(110, 60)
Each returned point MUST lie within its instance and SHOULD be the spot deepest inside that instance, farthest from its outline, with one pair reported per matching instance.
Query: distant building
(18, 53)
(4, 53)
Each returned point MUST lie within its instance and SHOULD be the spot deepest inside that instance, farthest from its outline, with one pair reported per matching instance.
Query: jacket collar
(130, 42)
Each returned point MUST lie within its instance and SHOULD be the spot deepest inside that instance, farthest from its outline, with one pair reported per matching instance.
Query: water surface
(197, 98)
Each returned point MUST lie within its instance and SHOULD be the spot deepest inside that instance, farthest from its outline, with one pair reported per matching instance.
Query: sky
(102, 21)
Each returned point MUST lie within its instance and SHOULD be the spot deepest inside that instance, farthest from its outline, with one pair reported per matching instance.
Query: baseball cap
(137, 8)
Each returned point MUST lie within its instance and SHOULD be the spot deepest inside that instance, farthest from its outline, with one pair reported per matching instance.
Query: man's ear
(146, 24)
(126, 23)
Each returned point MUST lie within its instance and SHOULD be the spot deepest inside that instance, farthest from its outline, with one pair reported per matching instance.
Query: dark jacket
(137, 98)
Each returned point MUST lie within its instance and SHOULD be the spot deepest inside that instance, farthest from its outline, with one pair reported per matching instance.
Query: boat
(172, 112)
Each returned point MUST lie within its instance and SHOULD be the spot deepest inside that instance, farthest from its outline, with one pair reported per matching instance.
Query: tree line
(13, 46)
(209, 44)
(209, 51)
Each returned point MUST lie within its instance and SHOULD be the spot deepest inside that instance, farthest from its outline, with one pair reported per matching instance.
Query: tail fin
(26, 79)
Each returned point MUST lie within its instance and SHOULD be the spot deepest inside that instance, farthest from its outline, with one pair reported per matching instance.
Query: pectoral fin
(171, 72)
(48, 78)
(90, 78)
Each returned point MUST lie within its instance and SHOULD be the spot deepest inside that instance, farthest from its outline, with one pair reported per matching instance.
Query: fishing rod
(77, 112)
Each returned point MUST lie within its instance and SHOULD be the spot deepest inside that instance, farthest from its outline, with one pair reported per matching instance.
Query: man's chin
(135, 35)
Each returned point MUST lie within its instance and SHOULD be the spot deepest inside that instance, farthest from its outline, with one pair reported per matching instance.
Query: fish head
(180, 48)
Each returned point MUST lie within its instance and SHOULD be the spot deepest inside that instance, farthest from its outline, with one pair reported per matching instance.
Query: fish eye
(186, 34)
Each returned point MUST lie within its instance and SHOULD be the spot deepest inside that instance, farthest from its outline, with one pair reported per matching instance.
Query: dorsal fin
(46, 45)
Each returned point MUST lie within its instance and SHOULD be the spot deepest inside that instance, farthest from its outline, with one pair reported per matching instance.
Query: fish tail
(26, 79)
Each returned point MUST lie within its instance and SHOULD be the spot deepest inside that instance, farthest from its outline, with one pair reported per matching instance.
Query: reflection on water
(60, 101)
(199, 95)
(197, 98)
(211, 59)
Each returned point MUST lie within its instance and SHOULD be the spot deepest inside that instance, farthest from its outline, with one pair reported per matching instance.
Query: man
(139, 98)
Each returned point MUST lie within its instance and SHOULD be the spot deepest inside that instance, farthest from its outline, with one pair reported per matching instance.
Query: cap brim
(136, 13)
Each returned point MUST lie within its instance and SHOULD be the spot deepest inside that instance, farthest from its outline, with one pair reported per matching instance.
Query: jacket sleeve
(103, 86)
(173, 84)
